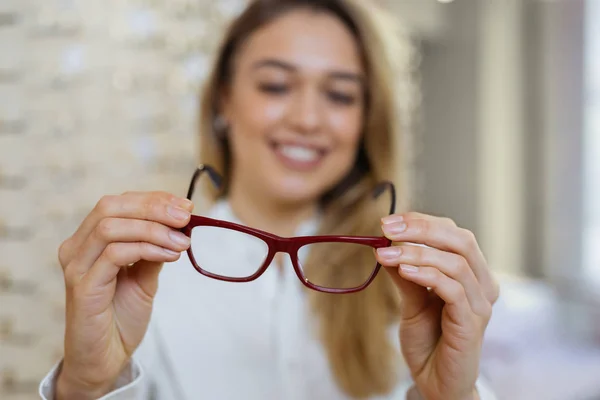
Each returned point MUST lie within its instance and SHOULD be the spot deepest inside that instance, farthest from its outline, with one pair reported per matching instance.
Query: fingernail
(409, 269)
(183, 202)
(394, 228)
(392, 218)
(170, 252)
(177, 213)
(188, 204)
(389, 252)
(179, 238)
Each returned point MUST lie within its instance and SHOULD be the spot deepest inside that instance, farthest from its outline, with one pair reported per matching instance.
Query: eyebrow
(271, 62)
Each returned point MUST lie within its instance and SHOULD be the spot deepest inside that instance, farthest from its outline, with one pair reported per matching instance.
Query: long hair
(353, 328)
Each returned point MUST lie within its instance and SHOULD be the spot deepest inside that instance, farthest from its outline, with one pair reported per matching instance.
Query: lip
(296, 164)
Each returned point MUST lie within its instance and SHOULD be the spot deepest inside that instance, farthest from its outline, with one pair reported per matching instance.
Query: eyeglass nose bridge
(285, 245)
(290, 247)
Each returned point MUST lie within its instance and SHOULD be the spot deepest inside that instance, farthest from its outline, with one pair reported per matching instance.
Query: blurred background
(502, 99)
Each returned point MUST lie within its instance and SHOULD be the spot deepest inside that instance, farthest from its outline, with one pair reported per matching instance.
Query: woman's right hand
(111, 266)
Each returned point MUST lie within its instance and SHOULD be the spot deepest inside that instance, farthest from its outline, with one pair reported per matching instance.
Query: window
(592, 143)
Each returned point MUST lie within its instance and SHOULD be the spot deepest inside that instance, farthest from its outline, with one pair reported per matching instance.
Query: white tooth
(298, 153)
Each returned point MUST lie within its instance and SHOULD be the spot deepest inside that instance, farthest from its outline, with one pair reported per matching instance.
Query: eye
(273, 88)
(341, 98)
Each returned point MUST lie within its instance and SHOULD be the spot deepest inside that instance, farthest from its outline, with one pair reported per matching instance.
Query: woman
(298, 116)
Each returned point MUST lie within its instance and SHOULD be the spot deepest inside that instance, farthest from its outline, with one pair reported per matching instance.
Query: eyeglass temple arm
(217, 181)
(215, 178)
(382, 187)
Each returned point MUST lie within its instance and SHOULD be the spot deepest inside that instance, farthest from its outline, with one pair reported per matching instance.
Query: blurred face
(295, 107)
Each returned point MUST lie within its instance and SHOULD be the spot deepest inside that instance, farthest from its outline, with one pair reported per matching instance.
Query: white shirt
(210, 339)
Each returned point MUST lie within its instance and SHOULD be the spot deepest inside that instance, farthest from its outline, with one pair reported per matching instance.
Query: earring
(220, 126)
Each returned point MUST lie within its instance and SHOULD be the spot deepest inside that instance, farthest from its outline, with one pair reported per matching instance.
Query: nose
(306, 113)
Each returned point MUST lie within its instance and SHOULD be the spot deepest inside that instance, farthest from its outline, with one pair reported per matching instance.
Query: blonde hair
(353, 328)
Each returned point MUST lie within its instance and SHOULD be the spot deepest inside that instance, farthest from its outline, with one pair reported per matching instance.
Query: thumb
(146, 274)
(414, 297)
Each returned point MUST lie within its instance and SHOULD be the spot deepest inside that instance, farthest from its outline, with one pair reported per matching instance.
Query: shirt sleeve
(128, 385)
(484, 390)
(485, 393)
(144, 378)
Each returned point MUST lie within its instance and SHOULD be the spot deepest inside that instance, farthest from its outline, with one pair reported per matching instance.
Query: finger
(111, 230)
(445, 237)
(449, 290)
(413, 297)
(150, 206)
(145, 273)
(450, 264)
(119, 255)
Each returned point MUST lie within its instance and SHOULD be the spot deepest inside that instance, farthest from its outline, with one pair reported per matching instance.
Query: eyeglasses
(210, 257)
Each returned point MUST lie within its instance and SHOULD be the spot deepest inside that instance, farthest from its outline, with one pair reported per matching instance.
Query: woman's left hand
(442, 329)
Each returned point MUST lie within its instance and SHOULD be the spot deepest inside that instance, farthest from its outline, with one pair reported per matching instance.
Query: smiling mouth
(299, 156)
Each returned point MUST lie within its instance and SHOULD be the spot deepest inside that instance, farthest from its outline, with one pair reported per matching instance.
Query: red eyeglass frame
(278, 244)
